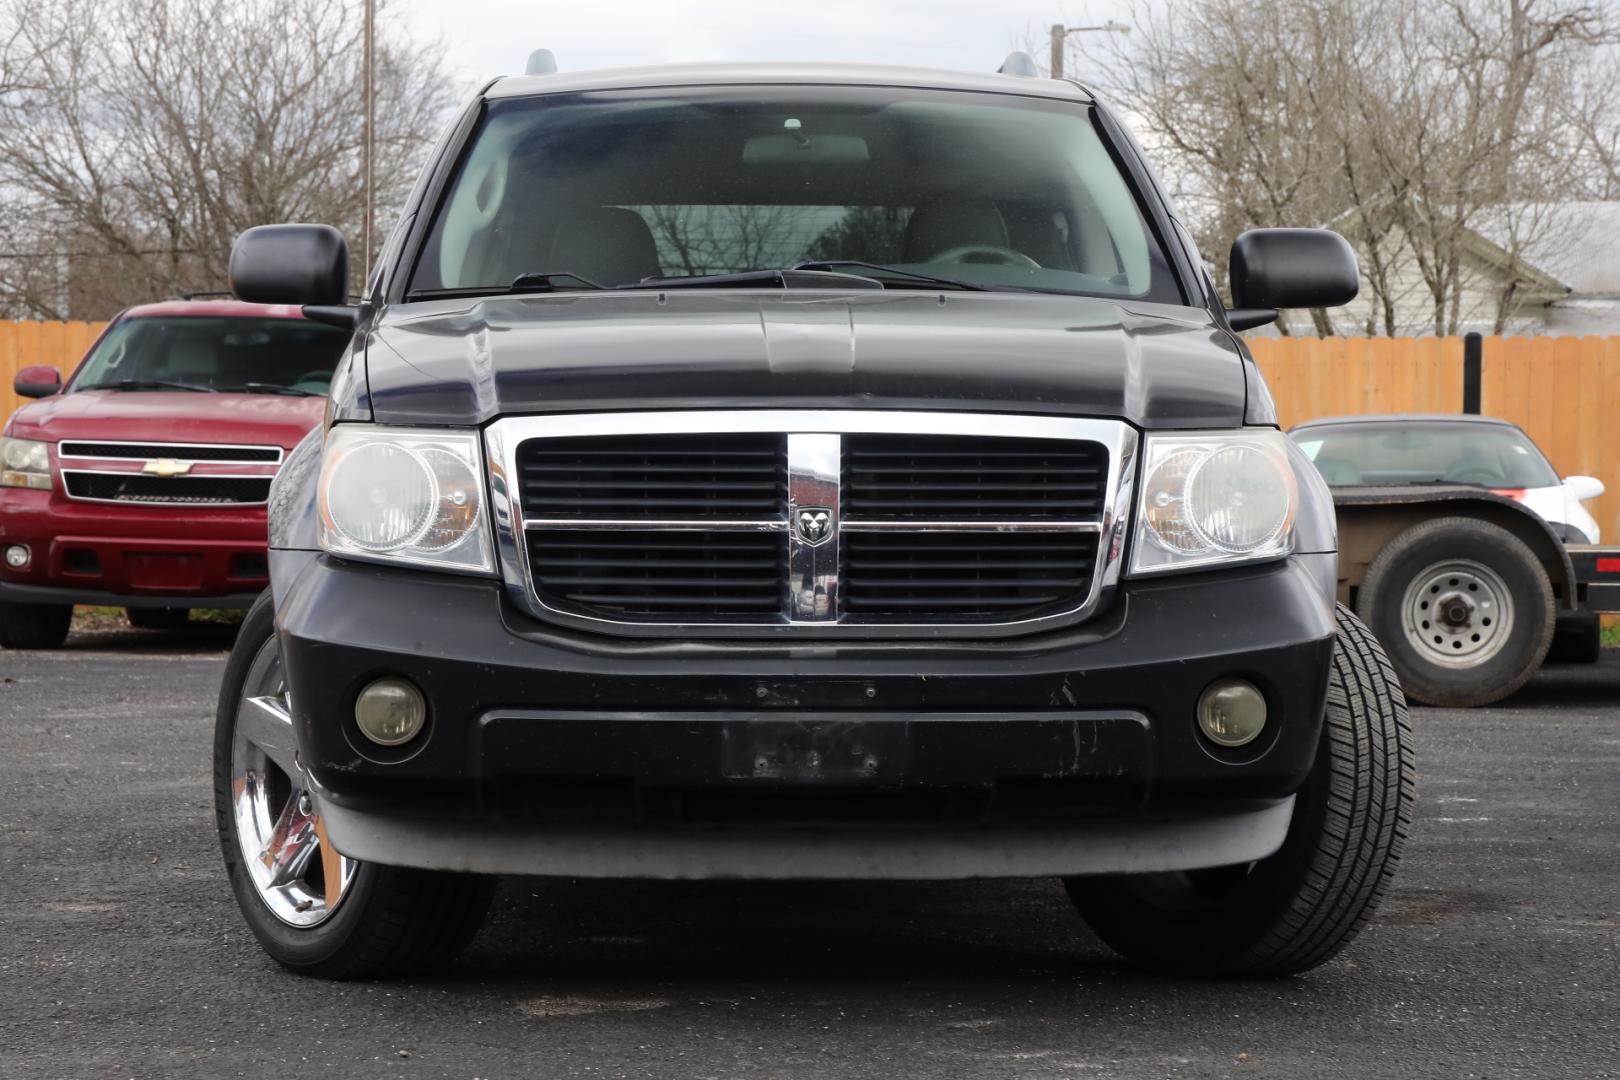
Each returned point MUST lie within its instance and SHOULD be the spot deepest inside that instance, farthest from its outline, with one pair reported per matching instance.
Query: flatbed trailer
(1597, 577)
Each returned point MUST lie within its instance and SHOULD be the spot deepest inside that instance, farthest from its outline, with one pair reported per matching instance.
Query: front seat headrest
(952, 223)
(608, 244)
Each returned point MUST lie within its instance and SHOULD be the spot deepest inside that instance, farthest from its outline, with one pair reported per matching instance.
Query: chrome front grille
(168, 474)
(810, 523)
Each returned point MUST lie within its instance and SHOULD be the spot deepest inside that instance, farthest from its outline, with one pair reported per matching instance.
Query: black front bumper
(528, 723)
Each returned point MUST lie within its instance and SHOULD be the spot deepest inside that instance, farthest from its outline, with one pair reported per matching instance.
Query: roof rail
(211, 294)
(541, 62)
(1020, 64)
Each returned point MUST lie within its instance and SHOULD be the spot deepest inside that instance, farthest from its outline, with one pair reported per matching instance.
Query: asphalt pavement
(122, 955)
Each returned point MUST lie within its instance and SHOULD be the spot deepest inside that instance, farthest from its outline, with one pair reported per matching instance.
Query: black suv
(803, 472)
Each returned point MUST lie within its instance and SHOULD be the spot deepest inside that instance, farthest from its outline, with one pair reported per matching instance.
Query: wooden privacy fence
(1564, 391)
(59, 344)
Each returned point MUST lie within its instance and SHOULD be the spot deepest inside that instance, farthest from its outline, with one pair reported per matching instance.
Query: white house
(1555, 267)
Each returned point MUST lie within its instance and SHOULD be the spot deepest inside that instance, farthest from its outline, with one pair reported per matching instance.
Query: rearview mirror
(1583, 487)
(37, 381)
(1289, 268)
(291, 264)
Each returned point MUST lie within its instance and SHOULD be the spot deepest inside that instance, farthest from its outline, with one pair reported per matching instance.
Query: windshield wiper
(807, 276)
(535, 282)
(269, 388)
(912, 275)
(152, 384)
(792, 277)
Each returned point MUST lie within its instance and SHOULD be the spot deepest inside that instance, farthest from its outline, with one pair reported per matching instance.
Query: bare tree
(1408, 127)
(139, 137)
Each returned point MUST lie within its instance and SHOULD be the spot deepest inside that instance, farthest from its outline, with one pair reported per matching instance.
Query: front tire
(313, 910)
(1464, 609)
(34, 626)
(1297, 908)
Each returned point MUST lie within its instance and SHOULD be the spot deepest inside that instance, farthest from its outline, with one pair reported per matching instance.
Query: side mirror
(1580, 488)
(1289, 268)
(307, 265)
(37, 381)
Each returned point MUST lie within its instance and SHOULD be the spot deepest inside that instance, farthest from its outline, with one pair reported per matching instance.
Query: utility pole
(1060, 35)
(368, 138)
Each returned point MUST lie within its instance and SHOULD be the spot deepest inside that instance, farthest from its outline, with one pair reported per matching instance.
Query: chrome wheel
(297, 873)
(1458, 613)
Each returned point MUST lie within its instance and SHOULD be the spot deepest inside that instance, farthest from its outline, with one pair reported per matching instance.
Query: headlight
(24, 463)
(1217, 497)
(405, 495)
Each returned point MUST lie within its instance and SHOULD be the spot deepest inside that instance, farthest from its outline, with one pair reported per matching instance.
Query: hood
(461, 362)
(179, 416)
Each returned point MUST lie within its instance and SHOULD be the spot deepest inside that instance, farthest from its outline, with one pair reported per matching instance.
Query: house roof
(1576, 242)
(1487, 243)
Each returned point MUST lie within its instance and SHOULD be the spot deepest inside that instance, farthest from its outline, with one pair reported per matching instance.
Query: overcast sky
(492, 37)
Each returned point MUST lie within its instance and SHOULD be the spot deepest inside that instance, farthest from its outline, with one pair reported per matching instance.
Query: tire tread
(1302, 905)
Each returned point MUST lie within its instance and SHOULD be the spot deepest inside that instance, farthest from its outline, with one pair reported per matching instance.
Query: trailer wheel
(1464, 609)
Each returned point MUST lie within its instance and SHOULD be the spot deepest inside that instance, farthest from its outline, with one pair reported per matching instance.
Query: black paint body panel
(467, 362)
(1149, 655)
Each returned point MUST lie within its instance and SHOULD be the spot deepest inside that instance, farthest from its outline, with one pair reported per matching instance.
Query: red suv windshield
(241, 354)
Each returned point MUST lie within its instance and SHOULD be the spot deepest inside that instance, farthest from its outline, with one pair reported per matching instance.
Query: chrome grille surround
(811, 608)
(87, 463)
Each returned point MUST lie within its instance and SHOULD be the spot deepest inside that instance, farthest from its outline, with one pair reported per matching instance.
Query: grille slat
(654, 573)
(966, 576)
(236, 455)
(139, 488)
(687, 477)
(927, 575)
(967, 478)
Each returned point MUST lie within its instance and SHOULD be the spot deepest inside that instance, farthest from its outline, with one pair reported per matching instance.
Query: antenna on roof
(1020, 64)
(541, 62)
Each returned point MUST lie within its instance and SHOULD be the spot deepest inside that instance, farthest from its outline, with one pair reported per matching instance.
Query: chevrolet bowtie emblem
(165, 466)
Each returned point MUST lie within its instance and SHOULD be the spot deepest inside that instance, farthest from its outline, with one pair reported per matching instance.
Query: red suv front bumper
(100, 553)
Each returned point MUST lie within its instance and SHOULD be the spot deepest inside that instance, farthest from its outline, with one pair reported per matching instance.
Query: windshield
(1403, 452)
(242, 353)
(624, 187)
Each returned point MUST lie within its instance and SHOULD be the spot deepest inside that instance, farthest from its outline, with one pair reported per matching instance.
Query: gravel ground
(121, 952)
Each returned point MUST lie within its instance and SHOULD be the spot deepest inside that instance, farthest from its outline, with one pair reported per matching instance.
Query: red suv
(143, 482)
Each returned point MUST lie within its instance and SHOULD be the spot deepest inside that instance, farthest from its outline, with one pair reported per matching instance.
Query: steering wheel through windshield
(991, 254)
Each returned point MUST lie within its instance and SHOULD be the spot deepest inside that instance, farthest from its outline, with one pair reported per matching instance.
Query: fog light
(17, 556)
(1231, 712)
(390, 712)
